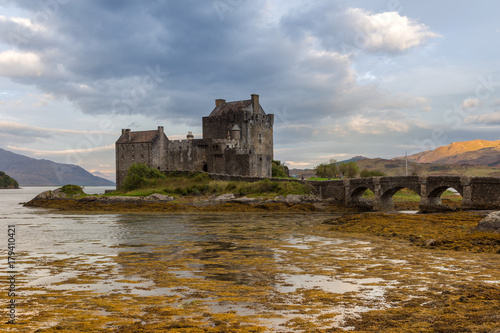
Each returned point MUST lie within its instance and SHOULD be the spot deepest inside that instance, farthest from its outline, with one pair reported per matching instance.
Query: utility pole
(406, 162)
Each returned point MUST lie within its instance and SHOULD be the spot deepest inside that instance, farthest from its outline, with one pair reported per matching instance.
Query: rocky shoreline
(164, 203)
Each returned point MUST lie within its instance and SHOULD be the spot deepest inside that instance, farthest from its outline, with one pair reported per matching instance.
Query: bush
(279, 170)
(72, 190)
(140, 175)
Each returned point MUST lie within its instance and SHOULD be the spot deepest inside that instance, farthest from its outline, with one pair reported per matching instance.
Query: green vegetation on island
(7, 182)
(72, 190)
(333, 169)
(279, 170)
(143, 181)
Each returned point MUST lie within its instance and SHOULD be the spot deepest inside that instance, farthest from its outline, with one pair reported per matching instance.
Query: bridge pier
(467, 202)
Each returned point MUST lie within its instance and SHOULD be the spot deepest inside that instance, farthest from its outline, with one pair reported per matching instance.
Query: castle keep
(237, 140)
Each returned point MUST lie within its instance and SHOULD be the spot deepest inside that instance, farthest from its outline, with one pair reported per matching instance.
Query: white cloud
(374, 126)
(485, 119)
(36, 152)
(21, 129)
(387, 31)
(20, 64)
(470, 103)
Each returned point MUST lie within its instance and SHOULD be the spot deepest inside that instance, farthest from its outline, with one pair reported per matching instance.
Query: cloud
(87, 54)
(350, 30)
(388, 31)
(373, 126)
(485, 119)
(470, 103)
(36, 152)
(20, 64)
(16, 129)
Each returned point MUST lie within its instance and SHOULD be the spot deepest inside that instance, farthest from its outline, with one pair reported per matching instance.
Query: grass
(319, 179)
(200, 184)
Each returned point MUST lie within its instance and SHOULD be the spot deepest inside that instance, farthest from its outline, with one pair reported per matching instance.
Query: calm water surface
(291, 256)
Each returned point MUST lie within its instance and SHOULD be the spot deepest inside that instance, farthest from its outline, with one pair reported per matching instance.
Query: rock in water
(490, 223)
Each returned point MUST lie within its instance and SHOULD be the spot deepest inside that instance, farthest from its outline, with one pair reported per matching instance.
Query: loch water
(273, 270)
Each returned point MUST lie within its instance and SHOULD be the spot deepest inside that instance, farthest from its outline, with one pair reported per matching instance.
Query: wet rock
(119, 199)
(56, 194)
(89, 199)
(159, 197)
(279, 198)
(490, 223)
(430, 242)
(297, 198)
(245, 200)
(225, 197)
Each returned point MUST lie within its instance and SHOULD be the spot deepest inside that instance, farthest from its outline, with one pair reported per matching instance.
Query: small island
(7, 182)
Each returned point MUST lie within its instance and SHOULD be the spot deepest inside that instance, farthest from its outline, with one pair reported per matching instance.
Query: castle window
(133, 157)
(260, 138)
(142, 157)
(123, 158)
(123, 147)
(142, 145)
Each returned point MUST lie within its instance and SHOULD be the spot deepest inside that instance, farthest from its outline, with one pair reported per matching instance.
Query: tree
(327, 170)
(280, 170)
(349, 169)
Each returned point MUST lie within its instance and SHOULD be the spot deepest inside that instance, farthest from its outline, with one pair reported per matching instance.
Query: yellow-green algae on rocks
(265, 272)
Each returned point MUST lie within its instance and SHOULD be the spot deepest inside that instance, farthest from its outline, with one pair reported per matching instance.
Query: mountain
(354, 159)
(397, 167)
(32, 172)
(476, 152)
(111, 178)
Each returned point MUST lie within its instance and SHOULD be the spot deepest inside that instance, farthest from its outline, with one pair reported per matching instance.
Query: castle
(237, 140)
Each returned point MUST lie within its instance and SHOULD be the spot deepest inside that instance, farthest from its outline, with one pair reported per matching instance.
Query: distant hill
(354, 159)
(476, 152)
(32, 172)
(7, 182)
(397, 167)
(105, 176)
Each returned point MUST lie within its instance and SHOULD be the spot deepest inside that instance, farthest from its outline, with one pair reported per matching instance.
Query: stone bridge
(477, 192)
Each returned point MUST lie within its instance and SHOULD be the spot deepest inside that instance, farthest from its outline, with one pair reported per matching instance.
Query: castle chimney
(160, 129)
(190, 136)
(255, 103)
(127, 133)
(219, 102)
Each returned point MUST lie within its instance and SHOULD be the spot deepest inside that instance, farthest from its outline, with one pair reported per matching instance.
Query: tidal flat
(254, 272)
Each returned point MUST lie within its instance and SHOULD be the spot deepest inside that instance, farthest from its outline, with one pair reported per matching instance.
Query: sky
(343, 78)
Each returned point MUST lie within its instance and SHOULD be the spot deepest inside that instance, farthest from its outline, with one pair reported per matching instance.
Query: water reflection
(254, 264)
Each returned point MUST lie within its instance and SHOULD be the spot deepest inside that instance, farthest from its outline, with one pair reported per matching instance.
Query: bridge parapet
(477, 192)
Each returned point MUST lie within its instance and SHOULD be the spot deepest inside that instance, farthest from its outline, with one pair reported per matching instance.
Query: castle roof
(138, 137)
(234, 107)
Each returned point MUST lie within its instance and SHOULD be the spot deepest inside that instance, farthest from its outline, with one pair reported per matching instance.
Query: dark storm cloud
(171, 59)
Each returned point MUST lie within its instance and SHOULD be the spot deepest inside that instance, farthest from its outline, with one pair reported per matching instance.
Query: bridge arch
(438, 191)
